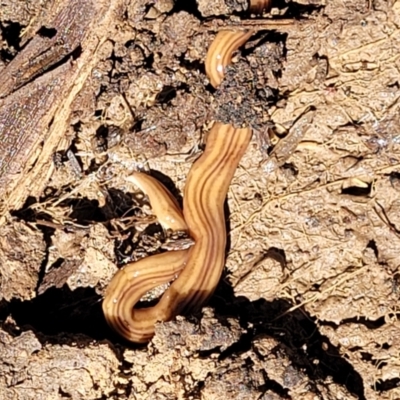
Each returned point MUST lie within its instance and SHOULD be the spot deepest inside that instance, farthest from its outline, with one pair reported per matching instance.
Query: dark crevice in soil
(366, 356)
(196, 392)
(263, 37)
(273, 386)
(387, 385)
(58, 312)
(47, 32)
(190, 6)
(297, 331)
(63, 395)
(47, 234)
(167, 94)
(290, 167)
(195, 65)
(358, 191)
(297, 10)
(149, 61)
(26, 213)
(84, 211)
(394, 178)
(370, 324)
(372, 245)
(11, 33)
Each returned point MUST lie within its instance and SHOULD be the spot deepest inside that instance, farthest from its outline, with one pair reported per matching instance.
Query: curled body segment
(130, 283)
(164, 205)
(220, 52)
(201, 266)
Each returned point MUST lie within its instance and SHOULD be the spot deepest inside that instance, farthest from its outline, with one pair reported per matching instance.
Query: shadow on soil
(59, 315)
(304, 345)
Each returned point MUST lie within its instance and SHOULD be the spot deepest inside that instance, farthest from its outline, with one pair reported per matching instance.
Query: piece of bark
(55, 41)
(36, 104)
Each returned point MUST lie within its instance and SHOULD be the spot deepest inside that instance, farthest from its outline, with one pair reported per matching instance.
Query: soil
(307, 307)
